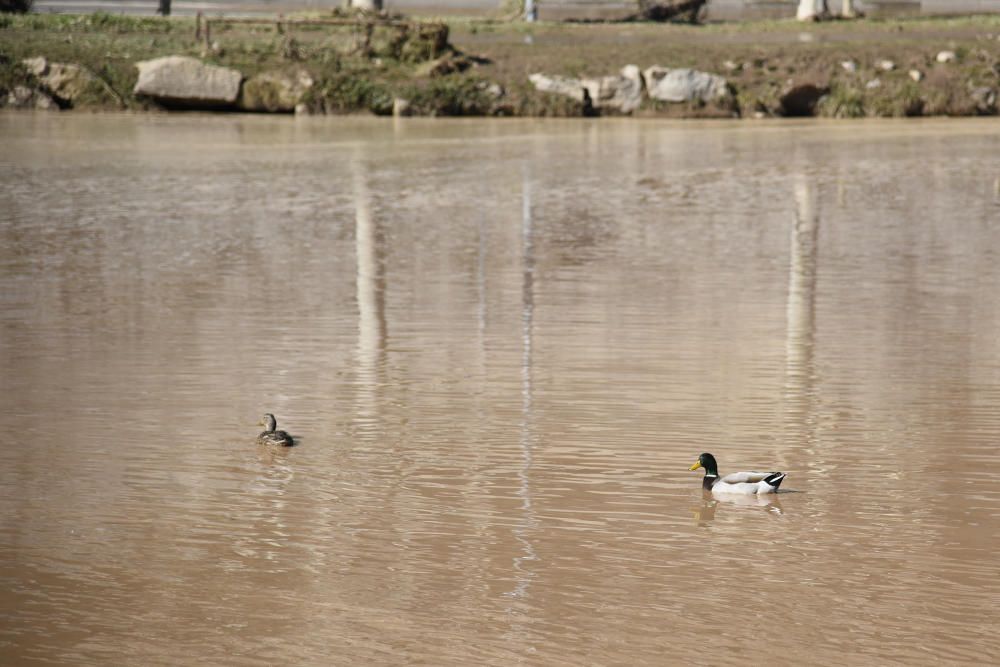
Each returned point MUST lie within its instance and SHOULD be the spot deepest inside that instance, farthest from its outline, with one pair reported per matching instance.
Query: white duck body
(742, 483)
(749, 483)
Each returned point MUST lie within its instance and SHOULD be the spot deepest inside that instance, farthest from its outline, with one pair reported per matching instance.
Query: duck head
(706, 461)
(269, 422)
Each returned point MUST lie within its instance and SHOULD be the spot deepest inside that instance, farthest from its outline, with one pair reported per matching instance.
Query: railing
(203, 24)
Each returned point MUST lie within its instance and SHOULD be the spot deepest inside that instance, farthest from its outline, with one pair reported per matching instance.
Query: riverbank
(876, 68)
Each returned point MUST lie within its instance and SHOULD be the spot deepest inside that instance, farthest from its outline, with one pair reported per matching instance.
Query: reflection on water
(371, 288)
(528, 523)
(705, 513)
(800, 395)
(500, 344)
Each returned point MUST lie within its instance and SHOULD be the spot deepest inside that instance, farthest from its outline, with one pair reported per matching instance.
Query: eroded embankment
(350, 64)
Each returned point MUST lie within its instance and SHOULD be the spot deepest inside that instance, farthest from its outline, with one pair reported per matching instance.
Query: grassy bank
(353, 72)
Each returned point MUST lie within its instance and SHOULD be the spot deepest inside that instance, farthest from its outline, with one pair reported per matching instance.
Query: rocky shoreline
(395, 67)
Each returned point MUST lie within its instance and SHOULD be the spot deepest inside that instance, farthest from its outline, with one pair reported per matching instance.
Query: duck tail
(774, 479)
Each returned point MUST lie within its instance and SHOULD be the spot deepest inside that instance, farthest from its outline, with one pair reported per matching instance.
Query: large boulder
(560, 85)
(67, 83)
(187, 82)
(275, 91)
(684, 85)
(621, 92)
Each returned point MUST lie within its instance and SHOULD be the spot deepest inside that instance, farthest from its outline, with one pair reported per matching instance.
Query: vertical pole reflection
(370, 285)
(801, 312)
(522, 575)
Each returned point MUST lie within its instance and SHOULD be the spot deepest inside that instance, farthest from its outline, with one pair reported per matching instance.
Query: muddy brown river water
(501, 345)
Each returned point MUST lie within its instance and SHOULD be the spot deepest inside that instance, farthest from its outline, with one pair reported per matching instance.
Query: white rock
(873, 84)
(560, 85)
(916, 75)
(684, 85)
(36, 66)
(947, 57)
(494, 90)
(187, 81)
(849, 66)
(885, 65)
(622, 92)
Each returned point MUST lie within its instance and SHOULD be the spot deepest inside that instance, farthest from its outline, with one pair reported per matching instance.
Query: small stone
(759, 114)
(985, 99)
(731, 66)
(36, 66)
(22, 97)
(849, 66)
(916, 75)
(885, 65)
(947, 57)
(494, 90)
(873, 84)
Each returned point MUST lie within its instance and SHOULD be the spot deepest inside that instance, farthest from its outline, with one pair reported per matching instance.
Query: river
(500, 344)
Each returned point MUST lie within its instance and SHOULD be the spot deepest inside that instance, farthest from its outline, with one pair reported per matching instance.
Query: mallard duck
(271, 436)
(745, 483)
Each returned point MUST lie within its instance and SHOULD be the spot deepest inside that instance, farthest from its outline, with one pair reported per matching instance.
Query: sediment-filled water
(500, 344)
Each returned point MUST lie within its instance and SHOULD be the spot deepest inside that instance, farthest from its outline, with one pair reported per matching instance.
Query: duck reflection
(705, 514)
(273, 457)
(264, 508)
